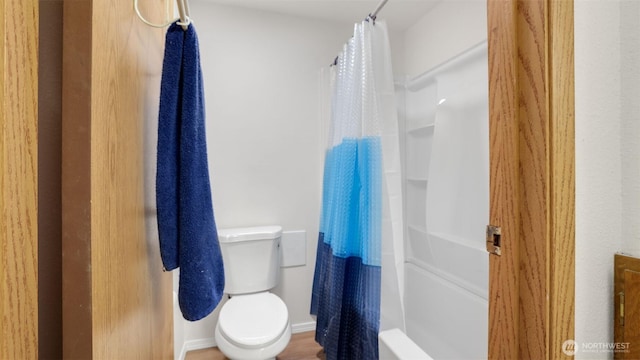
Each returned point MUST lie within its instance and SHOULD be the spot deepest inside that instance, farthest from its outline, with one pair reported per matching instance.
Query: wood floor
(301, 347)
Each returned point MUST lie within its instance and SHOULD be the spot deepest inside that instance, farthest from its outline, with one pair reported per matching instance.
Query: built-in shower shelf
(477, 243)
(418, 145)
(419, 229)
(420, 181)
(421, 129)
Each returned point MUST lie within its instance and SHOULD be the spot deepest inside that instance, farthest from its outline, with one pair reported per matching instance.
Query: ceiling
(399, 14)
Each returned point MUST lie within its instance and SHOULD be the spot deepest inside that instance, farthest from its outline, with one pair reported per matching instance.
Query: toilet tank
(251, 258)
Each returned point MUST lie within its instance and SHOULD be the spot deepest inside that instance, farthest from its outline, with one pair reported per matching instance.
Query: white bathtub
(395, 345)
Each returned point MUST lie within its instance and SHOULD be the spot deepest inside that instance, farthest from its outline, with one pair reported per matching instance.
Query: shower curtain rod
(375, 12)
(371, 16)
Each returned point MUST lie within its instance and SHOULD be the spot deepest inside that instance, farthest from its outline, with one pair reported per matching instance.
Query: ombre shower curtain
(358, 282)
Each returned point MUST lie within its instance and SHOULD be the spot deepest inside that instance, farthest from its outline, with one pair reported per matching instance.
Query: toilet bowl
(254, 323)
(253, 327)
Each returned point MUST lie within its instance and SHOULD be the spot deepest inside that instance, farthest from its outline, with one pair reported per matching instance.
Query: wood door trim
(77, 333)
(504, 205)
(562, 176)
(531, 91)
(19, 179)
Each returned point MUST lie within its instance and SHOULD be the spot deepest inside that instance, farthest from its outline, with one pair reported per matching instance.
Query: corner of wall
(599, 174)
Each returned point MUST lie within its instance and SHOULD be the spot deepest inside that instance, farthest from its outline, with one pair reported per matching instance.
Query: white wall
(450, 28)
(630, 124)
(607, 55)
(598, 167)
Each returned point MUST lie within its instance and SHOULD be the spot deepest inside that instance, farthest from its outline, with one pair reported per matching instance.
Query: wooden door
(18, 179)
(531, 111)
(626, 322)
(117, 302)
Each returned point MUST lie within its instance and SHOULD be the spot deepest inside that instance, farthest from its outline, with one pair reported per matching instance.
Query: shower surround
(446, 173)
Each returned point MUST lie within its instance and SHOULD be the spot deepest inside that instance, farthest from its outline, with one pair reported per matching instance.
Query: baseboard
(196, 345)
(211, 342)
(303, 327)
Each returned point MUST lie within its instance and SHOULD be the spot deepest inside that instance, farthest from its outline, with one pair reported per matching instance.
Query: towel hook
(182, 22)
(183, 9)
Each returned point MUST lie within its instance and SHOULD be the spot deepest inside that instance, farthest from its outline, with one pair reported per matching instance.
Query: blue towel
(186, 225)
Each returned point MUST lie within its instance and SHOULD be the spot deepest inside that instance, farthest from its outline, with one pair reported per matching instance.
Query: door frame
(117, 301)
(19, 24)
(532, 156)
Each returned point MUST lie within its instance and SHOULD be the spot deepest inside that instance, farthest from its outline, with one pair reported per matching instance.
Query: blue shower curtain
(347, 282)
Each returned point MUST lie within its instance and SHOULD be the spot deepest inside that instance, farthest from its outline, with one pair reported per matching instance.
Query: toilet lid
(255, 320)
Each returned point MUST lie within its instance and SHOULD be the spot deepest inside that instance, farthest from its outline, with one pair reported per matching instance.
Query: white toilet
(254, 323)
